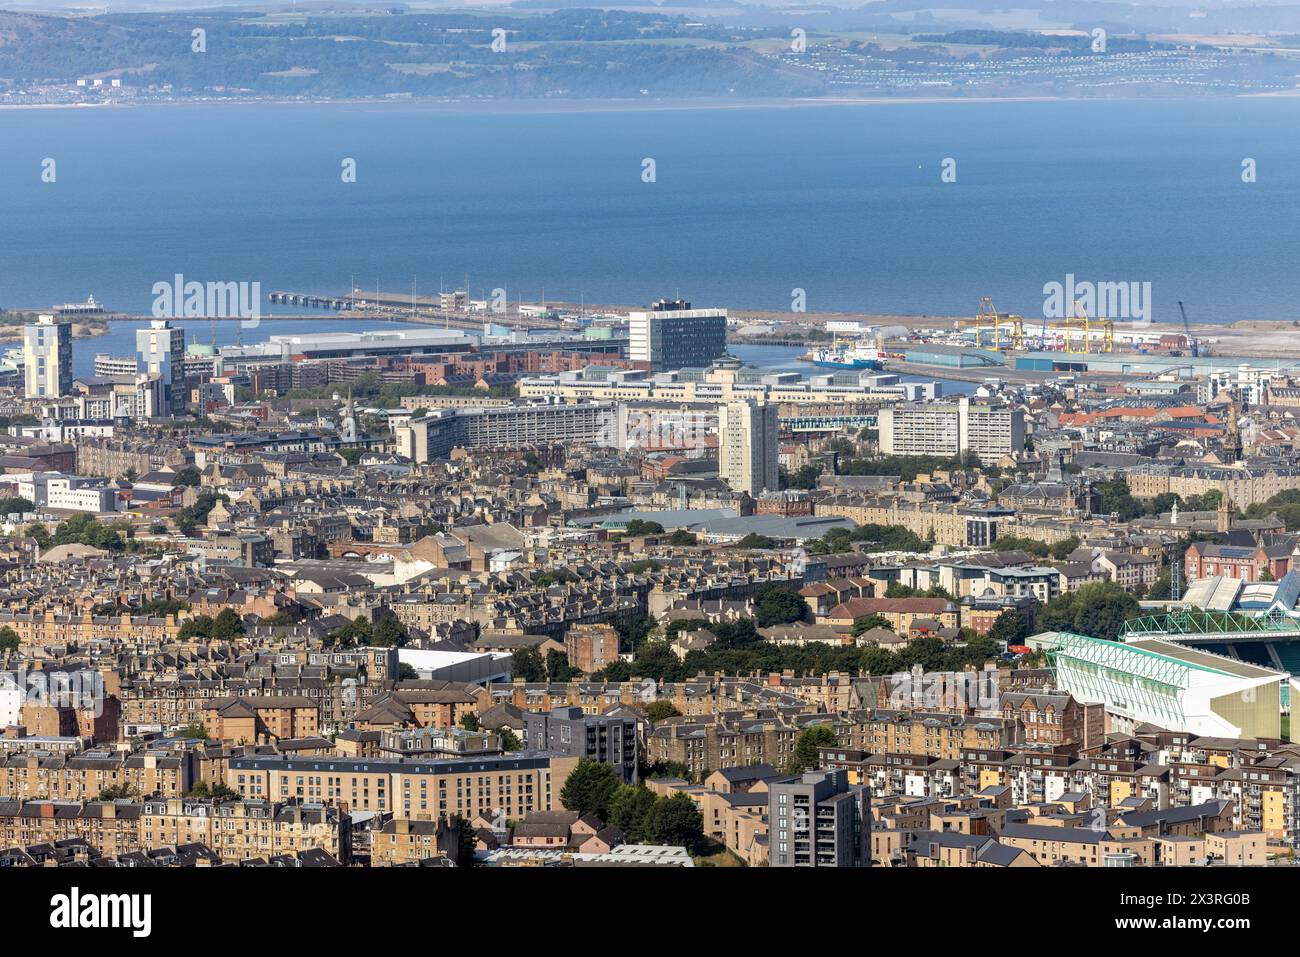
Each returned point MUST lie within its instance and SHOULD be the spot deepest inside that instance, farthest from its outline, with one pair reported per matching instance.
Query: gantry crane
(1004, 330)
(1007, 331)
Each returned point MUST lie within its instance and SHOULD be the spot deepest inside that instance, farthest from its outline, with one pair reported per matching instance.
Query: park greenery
(1098, 609)
(225, 626)
(869, 538)
(385, 631)
(84, 529)
(806, 745)
(1030, 546)
(1285, 505)
(593, 787)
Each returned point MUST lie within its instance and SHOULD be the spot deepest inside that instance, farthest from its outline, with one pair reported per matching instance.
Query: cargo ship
(855, 357)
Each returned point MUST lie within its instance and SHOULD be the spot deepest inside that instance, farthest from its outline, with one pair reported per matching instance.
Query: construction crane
(1192, 343)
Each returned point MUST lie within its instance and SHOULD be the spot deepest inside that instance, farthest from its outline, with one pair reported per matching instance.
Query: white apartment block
(952, 428)
(47, 357)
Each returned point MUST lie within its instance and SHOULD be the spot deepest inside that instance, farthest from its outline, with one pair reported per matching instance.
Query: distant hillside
(577, 53)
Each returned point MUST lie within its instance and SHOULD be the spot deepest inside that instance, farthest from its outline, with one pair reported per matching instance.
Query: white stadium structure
(1170, 685)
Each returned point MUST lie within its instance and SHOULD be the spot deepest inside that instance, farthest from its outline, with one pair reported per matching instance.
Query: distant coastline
(604, 105)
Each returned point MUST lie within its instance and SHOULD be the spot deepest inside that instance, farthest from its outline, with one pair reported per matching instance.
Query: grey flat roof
(1205, 659)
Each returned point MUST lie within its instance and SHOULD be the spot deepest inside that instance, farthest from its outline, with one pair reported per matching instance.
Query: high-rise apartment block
(47, 357)
(952, 428)
(747, 448)
(819, 819)
(162, 351)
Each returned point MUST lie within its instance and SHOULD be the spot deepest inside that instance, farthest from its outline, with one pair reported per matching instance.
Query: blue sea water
(845, 203)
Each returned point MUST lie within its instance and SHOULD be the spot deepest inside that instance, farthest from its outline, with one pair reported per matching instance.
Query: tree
(14, 505)
(40, 535)
(557, 666)
(219, 791)
(528, 665)
(116, 792)
(1098, 610)
(463, 834)
(628, 809)
(864, 623)
(188, 518)
(1162, 588)
(195, 729)
(1016, 543)
(682, 538)
(227, 625)
(556, 576)
(614, 671)
(509, 740)
(85, 529)
(355, 633)
(869, 538)
(1061, 550)
(1116, 498)
(674, 820)
(804, 477)
(1285, 505)
(755, 540)
(678, 625)
(661, 710)
(657, 662)
(806, 745)
(735, 634)
(1010, 628)
(589, 788)
(899, 590)
(469, 721)
(406, 673)
(778, 605)
(200, 626)
(1165, 502)
(1210, 500)
(633, 631)
(639, 527)
(8, 639)
(188, 476)
(388, 632)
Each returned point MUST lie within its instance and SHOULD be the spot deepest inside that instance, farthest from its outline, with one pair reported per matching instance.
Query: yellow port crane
(1079, 321)
(1006, 331)
(999, 331)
